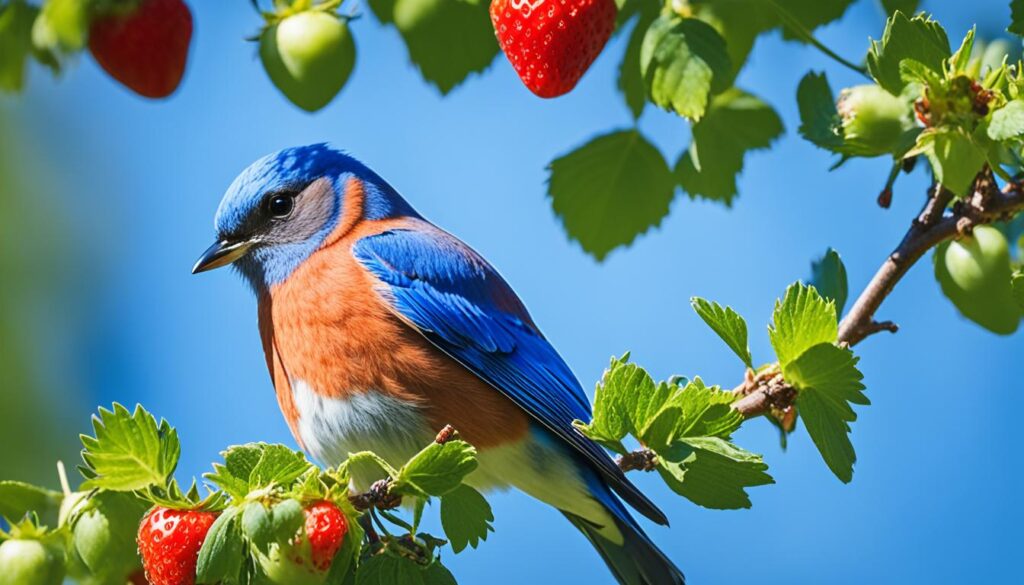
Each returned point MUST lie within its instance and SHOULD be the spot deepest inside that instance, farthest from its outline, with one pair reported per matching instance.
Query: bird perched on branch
(379, 329)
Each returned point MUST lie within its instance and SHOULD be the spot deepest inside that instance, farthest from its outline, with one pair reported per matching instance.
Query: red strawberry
(145, 49)
(551, 43)
(169, 542)
(326, 527)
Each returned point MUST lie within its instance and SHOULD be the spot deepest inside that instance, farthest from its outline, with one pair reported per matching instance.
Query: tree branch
(767, 392)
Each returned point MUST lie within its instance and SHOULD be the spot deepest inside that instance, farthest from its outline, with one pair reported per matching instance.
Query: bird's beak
(221, 253)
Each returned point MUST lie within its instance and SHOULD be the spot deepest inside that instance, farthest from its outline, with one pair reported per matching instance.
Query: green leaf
(739, 22)
(466, 517)
(437, 574)
(256, 466)
(904, 6)
(220, 558)
(437, 469)
(819, 120)
(257, 525)
(1017, 281)
(388, 569)
(728, 324)
(624, 390)
(130, 450)
(1016, 17)
(684, 61)
(692, 411)
(18, 499)
(63, 25)
(956, 159)
(828, 276)
(802, 319)
(919, 38)
(1008, 121)
(735, 124)
(813, 13)
(610, 190)
(631, 81)
(712, 472)
(828, 381)
(447, 40)
(16, 20)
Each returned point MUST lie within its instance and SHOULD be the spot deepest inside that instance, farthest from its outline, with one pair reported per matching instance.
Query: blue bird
(379, 329)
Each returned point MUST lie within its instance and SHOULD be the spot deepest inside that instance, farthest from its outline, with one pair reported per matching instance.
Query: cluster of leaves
(963, 112)
(688, 425)
(258, 494)
(682, 57)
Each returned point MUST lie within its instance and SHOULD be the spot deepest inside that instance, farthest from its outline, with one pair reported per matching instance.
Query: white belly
(538, 464)
(331, 428)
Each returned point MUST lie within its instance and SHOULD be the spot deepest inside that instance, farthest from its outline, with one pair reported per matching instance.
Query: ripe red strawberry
(326, 527)
(169, 542)
(145, 49)
(551, 43)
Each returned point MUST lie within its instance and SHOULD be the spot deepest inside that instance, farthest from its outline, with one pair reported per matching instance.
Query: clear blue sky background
(935, 492)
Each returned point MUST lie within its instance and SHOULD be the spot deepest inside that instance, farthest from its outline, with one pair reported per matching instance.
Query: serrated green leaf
(278, 465)
(827, 379)
(1008, 121)
(728, 324)
(736, 123)
(16, 20)
(18, 499)
(220, 558)
(447, 40)
(712, 472)
(904, 6)
(256, 466)
(684, 61)
(610, 190)
(437, 574)
(130, 450)
(813, 13)
(387, 569)
(956, 159)
(820, 123)
(624, 390)
(919, 38)
(706, 411)
(631, 80)
(828, 276)
(437, 469)
(1016, 17)
(802, 319)
(466, 517)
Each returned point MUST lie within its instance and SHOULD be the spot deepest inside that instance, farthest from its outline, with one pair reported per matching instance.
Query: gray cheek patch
(314, 207)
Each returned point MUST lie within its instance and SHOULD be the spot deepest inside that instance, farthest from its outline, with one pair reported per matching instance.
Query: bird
(380, 328)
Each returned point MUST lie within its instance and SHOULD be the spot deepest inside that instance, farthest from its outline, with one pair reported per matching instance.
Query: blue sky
(934, 492)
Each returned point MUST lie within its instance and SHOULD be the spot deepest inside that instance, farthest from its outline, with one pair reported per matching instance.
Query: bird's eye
(280, 205)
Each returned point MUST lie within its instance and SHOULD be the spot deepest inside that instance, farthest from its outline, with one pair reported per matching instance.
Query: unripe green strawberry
(103, 535)
(309, 57)
(873, 120)
(307, 558)
(974, 273)
(30, 562)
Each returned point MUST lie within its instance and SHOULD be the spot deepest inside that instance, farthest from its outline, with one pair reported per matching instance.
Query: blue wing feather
(465, 308)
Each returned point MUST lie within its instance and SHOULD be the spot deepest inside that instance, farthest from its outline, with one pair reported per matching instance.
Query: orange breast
(325, 325)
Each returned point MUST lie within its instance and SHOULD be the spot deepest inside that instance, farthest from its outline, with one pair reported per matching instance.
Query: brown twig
(639, 460)
(767, 393)
(379, 496)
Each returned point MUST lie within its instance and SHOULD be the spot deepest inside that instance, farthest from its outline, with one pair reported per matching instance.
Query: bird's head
(281, 208)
